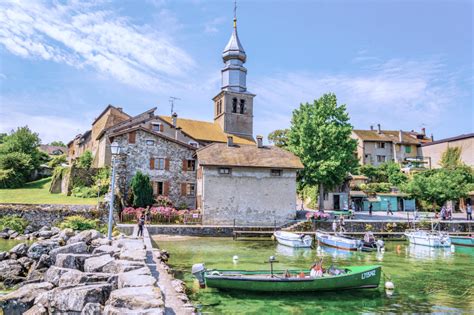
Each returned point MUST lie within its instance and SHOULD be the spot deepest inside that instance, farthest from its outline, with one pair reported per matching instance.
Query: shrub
(84, 192)
(142, 190)
(13, 222)
(57, 160)
(102, 180)
(85, 160)
(79, 223)
(164, 201)
(15, 168)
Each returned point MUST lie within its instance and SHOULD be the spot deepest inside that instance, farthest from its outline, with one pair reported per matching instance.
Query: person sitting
(287, 274)
(316, 271)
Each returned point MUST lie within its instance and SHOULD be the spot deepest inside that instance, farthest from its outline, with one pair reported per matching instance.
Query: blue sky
(403, 64)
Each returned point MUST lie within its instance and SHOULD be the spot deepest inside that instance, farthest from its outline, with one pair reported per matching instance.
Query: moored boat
(293, 239)
(355, 277)
(338, 241)
(462, 240)
(370, 244)
(427, 238)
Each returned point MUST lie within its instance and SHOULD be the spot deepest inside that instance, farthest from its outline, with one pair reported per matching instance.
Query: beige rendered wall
(435, 151)
(251, 196)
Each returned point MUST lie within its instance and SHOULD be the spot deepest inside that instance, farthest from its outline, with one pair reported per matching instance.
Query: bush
(57, 160)
(85, 160)
(15, 169)
(79, 223)
(102, 180)
(13, 222)
(373, 188)
(84, 192)
(142, 190)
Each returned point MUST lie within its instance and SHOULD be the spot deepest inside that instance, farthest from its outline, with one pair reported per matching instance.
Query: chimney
(378, 129)
(259, 142)
(400, 136)
(423, 131)
(176, 133)
(371, 127)
(230, 141)
(432, 137)
(174, 119)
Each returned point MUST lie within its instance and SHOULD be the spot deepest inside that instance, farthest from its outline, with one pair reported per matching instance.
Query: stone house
(251, 184)
(379, 146)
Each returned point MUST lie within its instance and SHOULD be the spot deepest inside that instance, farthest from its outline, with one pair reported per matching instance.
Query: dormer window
(234, 105)
(156, 126)
(193, 144)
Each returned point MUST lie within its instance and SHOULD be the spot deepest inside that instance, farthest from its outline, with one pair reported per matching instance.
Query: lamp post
(115, 150)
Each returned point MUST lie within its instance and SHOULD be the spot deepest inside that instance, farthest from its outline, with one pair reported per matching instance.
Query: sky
(403, 64)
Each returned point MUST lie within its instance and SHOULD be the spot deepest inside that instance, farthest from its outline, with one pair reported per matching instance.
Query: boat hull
(462, 241)
(338, 242)
(358, 278)
(293, 240)
(427, 239)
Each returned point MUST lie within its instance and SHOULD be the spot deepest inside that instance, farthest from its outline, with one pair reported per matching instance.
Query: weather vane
(235, 13)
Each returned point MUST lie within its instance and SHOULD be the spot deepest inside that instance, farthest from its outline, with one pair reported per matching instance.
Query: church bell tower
(233, 106)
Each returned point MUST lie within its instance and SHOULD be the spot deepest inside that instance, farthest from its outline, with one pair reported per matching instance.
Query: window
(158, 127)
(234, 105)
(408, 149)
(224, 171)
(150, 142)
(380, 158)
(276, 172)
(159, 164)
(191, 165)
(242, 106)
(381, 145)
(193, 144)
(158, 188)
(190, 190)
(325, 196)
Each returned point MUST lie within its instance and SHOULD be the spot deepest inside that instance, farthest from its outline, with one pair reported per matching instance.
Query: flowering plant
(164, 201)
(317, 215)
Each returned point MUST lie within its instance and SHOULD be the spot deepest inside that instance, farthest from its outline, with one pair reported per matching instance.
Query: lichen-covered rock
(84, 236)
(74, 248)
(74, 299)
(21, 300)
(134, 299)
(96, 264)
(19, 250)
(73, 261)
(9, 269)
(132, 280)
(41, 247)
(92, 309)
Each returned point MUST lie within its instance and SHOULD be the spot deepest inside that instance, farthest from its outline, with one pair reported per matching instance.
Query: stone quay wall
(191, 230)
(49, 215)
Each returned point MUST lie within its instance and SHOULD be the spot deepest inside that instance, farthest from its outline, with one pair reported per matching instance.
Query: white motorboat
(338, 241)
(428, 238)
(293, 239)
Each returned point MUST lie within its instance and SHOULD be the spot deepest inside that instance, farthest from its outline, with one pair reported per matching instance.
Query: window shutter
(155, 188)
(166, 188)
(167, 164)
(152, 163)
(185, 165)
(161, 127)
(132, 136)
(183, 189)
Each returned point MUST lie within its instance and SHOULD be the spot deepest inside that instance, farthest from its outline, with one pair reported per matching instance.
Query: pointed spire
(234, 49)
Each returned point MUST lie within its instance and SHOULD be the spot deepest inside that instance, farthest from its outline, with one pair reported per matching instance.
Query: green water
(6, 245)
(426, 280)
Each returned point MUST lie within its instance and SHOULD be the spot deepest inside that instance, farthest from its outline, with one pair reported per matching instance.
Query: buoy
(235, 258)
(389, 285)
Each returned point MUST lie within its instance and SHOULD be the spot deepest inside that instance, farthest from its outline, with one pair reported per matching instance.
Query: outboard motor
(380, 244)
(198, 271)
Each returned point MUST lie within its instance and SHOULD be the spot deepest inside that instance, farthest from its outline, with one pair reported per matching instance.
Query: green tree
(451, 158)
(57, 160)
(85, 160)
(142, 190)
(392, 173)
(279, 137)
(15, 169)
(320, 137)
(23, 140)
(2, 137)
(58, 144)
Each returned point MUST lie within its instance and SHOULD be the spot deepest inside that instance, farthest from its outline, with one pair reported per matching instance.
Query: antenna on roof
(171, 100)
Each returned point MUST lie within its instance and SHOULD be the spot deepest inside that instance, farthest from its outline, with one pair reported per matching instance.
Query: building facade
(434, 150)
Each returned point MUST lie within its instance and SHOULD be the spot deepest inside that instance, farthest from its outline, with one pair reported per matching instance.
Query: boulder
(53, 274)
(36, 275)
(14, 235)
(44, 262)
(9, 269)
(133, 254)
(140, 271)
(19, 250)
(92, 309)
(74, 299)
(41, 247)
(111, 250)
(84, 236)
(73, 261)
(21, 300)
(111, 310)
(10, 282)
(55, 230)
(4, 235)
(96, 264)
(76, 277)
(129, 243)
(36, 310)
(118, 266)
(26, 262)
(100, 241)
(135, 299)
(74, 248)
(132, 280)
(66, 234)
(3, 255)
(178, 286)
(45, 234)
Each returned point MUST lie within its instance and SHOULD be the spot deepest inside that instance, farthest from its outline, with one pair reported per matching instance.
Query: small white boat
(427, 238)
(293, 239)
(338, 241)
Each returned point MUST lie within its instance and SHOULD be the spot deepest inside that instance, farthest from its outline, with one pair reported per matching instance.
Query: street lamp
(115, 150)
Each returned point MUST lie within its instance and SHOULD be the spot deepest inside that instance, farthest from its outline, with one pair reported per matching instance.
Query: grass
(37, 192)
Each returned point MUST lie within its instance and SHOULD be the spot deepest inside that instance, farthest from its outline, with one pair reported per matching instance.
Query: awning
(356, 193)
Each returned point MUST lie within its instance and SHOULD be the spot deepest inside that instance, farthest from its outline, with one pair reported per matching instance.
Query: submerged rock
(21, 300)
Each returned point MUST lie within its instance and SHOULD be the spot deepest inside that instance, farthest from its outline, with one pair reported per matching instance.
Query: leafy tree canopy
(58, 144)
(451, 158)
(23, 140)
(389, 172)
(85, 160)
(142, 190)
(57, 160)
(279, 137)
(320, 137)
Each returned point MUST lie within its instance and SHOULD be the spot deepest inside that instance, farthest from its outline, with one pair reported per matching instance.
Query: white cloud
(212, 25)
(395, 93)
(83, 35)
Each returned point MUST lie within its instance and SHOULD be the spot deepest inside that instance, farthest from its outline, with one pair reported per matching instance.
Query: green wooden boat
(462, 240)
(356, 277)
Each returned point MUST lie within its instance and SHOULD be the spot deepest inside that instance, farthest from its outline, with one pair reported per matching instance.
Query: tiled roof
(205, 131)
(220, 154)
(389, 136)
(50, 149)
(456, 138)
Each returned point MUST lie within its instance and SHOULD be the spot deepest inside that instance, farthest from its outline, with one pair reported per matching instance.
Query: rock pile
(79, 273)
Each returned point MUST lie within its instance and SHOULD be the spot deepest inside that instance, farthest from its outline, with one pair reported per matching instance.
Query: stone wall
(250, 196)
(69, 177)
(49, 215)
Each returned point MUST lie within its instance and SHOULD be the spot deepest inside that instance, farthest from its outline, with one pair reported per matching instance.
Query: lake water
(427, 280)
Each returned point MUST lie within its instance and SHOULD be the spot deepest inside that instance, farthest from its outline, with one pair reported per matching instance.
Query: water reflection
(282, 250)
(335, 253)
(427, 252)
(464, 250)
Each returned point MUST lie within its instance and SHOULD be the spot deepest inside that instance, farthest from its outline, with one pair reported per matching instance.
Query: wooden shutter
(161, 127)
(155, 188)
(185, 165)
(167, 164)
(132, 136)
(183, 189)
(152, 163)
(166, 188)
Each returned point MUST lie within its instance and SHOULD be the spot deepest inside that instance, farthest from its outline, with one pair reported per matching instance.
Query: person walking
(334, 226)
(370, 208)
(469, 212)
(443, 213)
(389, 208)
(342, 224)
(141, 223)
(147, 215)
